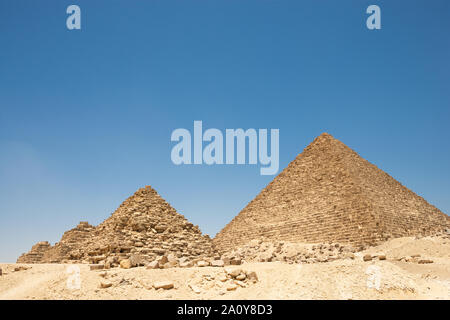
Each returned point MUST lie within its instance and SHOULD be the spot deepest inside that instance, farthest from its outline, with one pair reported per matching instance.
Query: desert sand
(414, 268)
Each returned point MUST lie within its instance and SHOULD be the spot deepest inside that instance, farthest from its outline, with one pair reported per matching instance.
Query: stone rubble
(227, 279)
(259, 251)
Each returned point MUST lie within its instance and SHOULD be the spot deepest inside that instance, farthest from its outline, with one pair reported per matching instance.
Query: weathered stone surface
(330, 194)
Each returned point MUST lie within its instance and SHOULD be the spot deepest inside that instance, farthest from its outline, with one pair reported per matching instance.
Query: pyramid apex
(325, 139)
(326, 134)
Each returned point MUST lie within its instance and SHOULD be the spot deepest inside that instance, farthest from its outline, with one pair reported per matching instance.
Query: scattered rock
(231, 287)
(195, 288)
(425, 261)
(20, 268)
(235, 262)
(163, 285)
(222, 278)
(217, 263)
(252, 276)
(241, 277)
(233, 272)
(202, 263)
(105, 284)
(367, 257)
(96, 266)
(349, 255)
(172, 258)
(163, 260)
(125, 264)
(153, 265)
(135, 260)
(382, 257)
(186, 264)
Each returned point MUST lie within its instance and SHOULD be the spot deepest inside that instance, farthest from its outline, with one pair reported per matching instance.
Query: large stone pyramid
(144, 225)
(329, 193)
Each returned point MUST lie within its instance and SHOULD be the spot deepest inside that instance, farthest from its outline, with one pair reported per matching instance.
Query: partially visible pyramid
(330, 193)
(144, 225)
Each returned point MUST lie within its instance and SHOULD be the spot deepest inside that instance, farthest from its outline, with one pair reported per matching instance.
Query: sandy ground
(341, 279)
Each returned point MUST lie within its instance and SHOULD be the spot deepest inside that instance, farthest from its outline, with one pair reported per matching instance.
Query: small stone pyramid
(330, 194)
(144, 225)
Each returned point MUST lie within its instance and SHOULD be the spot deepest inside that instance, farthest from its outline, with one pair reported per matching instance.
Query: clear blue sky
(86, 116)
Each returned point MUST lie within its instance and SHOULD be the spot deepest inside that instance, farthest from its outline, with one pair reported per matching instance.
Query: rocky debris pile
(21, 268)
(214, 280)
(36, 253)
(259, 251)
(415, 258)
(171, 261)
(143, 229)
(230, 279)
